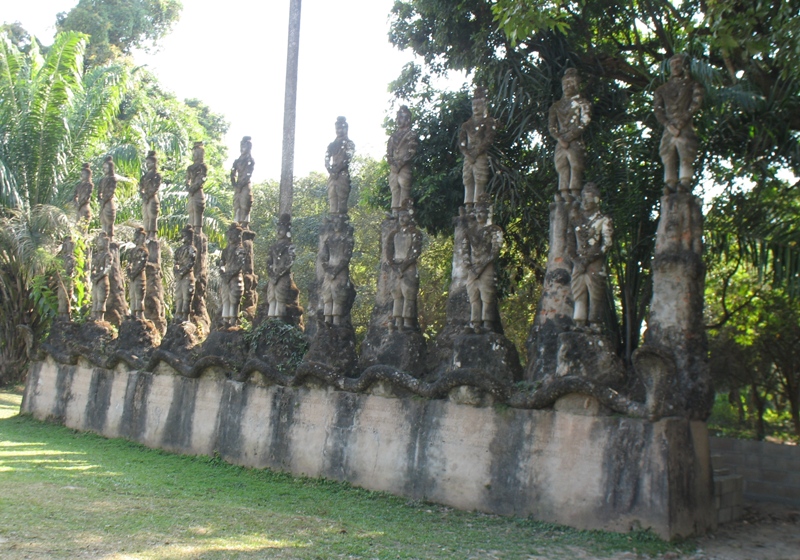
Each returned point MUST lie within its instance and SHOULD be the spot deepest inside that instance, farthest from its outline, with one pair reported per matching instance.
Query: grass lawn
(65, 494)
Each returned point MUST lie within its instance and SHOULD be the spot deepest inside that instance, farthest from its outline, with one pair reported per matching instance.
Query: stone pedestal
(404, 350)
(334, 346)
(491, 353)
(228, 344)
(673, 361)
(554, 313)
(181, 338)
(138, 336)
(589, 356)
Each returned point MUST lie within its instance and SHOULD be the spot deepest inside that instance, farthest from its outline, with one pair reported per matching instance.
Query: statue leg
(343, 193)
(481, 174)
(333, 201)
(469, 184)
(580, 296)
(410, 287)
(576, 156)
(475, 307)
(394, 187)
(562, 168)
(404, 182)
(488, 292)
(686, 146)
(669, 158)
(596, 288)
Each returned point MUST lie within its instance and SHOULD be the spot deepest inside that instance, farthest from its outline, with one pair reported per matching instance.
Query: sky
(232, 56)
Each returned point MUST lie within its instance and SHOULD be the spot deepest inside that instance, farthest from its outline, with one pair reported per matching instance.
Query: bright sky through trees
(232, 56)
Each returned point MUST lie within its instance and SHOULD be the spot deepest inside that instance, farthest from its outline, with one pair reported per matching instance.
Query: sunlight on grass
(9, 404)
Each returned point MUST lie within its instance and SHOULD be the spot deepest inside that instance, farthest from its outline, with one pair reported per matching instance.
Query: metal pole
(290, 109)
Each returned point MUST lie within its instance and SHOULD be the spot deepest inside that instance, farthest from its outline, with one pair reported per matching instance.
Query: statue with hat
(404, 246)
(241, 174)
(196, 175)
(337, 162)
(400, 151)
(106, 190)
(149, 185)
(183, 269)
(483, 243)
(474, 140)
(567, 119)
(83, 196)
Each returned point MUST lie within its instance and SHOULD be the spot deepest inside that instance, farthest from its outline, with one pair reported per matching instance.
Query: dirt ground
(766, 532)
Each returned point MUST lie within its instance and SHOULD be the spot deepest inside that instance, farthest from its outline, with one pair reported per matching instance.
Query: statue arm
(414, 251)
(584, 118)
(462, 139)
(607, 234)
(552, 122)
(490, 130)
(659, 107)
(698, 94)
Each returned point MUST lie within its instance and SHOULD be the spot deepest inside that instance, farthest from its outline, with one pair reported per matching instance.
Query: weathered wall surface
(598, 472)
(771, 471)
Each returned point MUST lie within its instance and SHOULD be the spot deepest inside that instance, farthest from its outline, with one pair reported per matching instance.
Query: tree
(116, 27)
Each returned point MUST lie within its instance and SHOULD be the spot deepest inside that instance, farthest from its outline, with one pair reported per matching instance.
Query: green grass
(65, 494)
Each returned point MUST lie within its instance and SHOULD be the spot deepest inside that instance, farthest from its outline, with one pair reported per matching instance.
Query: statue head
(86, 173)
(234, 234)
(188, 234)
(571, 82)
(285, 226)
(479, 102)
(590, 197)
(405, 215)
(151, 160)
(483, 209)
(139, 236)
(198, 152)
(677, 64)
(108, 166)
(341, 127)
(246, 145)
(403, 117)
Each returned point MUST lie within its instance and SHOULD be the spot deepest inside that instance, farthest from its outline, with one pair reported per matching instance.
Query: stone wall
(595, 472)
(771, 471)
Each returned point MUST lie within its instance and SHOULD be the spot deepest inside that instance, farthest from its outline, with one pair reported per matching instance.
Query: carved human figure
(195, 179)
(149, 185)
(106, 189)
(400, 151)
(484, 241)
(241, 173)
(65, 276)
(674, 104)
(183, 269)
(593, 236)
(404, 246)
(474, 139)
(567, 119)
(337, 162)
(137, 261)
(102, 262)
(279, 267)
(335, 257)
(232, 263)
(83, 196)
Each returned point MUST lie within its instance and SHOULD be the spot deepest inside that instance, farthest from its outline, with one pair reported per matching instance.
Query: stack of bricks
(728, 495)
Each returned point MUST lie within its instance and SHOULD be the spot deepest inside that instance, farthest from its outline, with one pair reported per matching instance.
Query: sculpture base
(138, 336)
(334, 346)
(181, 338)
(492, 353)
(228, 344)
(589, 356)
(404, 350)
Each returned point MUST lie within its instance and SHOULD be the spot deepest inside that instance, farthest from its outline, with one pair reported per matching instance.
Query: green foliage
(285, 343)
(116, 27)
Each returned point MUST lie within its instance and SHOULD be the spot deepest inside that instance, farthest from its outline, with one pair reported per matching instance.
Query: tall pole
(290, 109)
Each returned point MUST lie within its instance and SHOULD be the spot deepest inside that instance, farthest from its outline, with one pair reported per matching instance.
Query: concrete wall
(597, 472)
(771, 471)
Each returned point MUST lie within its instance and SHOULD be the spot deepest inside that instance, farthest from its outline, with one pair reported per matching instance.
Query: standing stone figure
(241, 173)
(83, 196)
(674, 104)
(137, 261)
(106, 189)
(474, 139)
(149, 185)
(232, 263)
(335, 257)
(593, 233)
(195, 179)
(568, 118)
(65, 289)
(337, 162)
(404, 246)
(249, 277)
(101, 266)
(279, 267)
(183, 270)
(400, 150)
(484, 241)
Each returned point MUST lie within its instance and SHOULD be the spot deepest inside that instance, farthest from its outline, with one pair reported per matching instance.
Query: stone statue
(484, 241)
(241, 173)
(474, 139)
(567, 119)
(101, 266)
(106, 189)
(279, 267)
(674, 104)
(195, 179)
(404, 246)
(65, 288)
(149, 185)
(337, 162)
(400, 151)
(232, 263)
(335, 258)
(137, 261)
(183, 269)
(83, 196)
(593, 234)
(249, 277)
